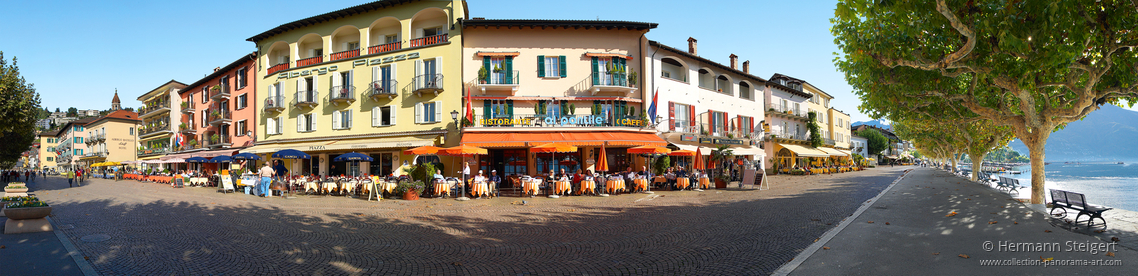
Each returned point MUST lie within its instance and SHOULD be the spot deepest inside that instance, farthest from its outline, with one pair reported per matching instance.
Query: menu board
(227, 183)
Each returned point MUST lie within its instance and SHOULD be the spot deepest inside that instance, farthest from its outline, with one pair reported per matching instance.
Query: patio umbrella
(699, 161)
(221, 159)
(353, 156)
(246, 156)
(463, 151)
(290, 154)
(602, 161)
(424, 150)
(686, 153)
(198, 160)
(650, 152)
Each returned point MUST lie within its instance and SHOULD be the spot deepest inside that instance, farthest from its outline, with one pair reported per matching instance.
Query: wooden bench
(1007, 184)
(1063, 199)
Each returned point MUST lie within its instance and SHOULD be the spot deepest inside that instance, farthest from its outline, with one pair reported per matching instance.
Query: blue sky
(78, 52)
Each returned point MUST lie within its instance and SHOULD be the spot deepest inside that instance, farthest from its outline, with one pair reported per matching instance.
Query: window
(354, 45)
(672, 69)
(382, 116)
(390, 39)
(77, 140)
(497, 109)
(306, 123)
(241, 77)
(705, 79)
(551, 67)
(342, 119)
(432, 31)
(683, 117)
(745, 91)
(426, 113)
(722, 84)
(273, 125)
(242, 128)
(205, 94)
(718, 121)
(50, 159)
(190, 99)
(242, 102)
(132, 130)
(283, 60)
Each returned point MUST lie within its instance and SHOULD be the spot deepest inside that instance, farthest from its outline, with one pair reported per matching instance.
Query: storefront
(745, 150)
(795, 156)
(386, 152)
(510, 154)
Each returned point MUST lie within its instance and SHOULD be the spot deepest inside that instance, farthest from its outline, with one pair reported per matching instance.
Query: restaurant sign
(688, 138)
(590, 120)
(721, 141)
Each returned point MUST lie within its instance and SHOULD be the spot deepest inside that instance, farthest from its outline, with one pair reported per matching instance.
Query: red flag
(469, 109)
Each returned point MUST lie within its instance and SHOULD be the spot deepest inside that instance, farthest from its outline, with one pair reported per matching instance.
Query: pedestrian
(266, 174)
(70, 178)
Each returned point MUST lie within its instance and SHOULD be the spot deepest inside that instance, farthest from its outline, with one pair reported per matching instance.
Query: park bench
(1007, 184)
(1063, 200)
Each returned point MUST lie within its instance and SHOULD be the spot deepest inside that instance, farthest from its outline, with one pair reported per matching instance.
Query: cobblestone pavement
(156, 229)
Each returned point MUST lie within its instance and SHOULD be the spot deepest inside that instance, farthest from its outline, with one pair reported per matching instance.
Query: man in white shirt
(266, 174)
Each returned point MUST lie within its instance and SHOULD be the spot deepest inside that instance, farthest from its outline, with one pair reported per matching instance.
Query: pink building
(218, 111)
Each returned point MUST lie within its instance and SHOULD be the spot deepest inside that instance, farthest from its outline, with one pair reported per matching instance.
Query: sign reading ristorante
(591, 120)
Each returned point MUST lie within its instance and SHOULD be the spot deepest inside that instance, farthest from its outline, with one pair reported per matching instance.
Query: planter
(411, 195)
(720, 184)
(27, 212)
(15, 191)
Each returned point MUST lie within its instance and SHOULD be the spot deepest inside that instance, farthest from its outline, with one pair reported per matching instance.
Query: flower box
(27, 212)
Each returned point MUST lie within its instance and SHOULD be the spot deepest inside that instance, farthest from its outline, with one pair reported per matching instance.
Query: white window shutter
(280, 125)
(336, 119)
(312, 120)
(439, 67)
(391, 112)
(269, 126)
(375, 114)
(300, 84)
(418, 72)
(351, 78)
(419, 113)
(349, 112)
(393, 71)
(337, 79)
(315, 86)
(438, 112)
(375, 73)
(300, 123)
(273, 91)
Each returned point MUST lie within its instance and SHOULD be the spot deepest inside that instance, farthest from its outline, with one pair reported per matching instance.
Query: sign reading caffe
(562, 121)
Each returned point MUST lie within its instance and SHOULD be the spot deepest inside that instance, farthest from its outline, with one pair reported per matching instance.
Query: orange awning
(553, 147)
(498, 54)
(531, 139)
(628, 57)
(649, 150)
(463, 150)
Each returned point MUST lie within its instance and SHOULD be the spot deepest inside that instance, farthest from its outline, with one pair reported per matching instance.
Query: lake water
(1104, 183)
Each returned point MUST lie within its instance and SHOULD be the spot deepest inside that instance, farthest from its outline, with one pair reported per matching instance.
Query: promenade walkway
(935, 223)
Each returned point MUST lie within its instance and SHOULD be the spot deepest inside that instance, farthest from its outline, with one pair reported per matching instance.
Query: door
(382, 165)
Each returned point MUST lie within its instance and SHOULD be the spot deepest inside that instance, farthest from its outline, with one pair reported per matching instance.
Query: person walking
(266, 174)
(70, 178)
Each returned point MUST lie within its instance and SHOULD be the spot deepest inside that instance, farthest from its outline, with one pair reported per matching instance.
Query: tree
(1032, 66)
(875, 141)
(812, 126)
(56, 109)
(72, 112)
(19, 104)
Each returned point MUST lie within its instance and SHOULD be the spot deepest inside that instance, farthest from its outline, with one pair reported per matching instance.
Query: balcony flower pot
(411, 195)
(720, 184)
(16, 189)
(27, 212)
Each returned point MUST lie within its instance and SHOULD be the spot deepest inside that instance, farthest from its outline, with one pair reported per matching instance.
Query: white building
(43, 123)
(704, 104)
(859, 145)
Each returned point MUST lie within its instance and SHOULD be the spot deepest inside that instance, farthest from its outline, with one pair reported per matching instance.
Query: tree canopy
(19, 105)
(1031, 66)
(875, 142)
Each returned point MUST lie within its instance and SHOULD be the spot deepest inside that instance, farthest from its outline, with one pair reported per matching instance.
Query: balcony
(617, 82)
(95, 138)
(219, 92)
(430, 40)
(344, 55)
(217, 117)
(154, 151)
(382, 89)
(427, 84)
(278, 68)
(218, 140)
(547, 120)
(384, 48)
(342, 94)
(309, 61)
(274, 104)
(153, 129)
(188, 107)
(306, 99)
(188, 128)
(784, 135)
(828, 142)
(787, 112)
(153, 108)
(500, 82)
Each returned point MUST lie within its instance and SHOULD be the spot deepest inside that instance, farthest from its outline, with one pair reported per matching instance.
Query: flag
(652, 108)
(469, 109)
(178, 139)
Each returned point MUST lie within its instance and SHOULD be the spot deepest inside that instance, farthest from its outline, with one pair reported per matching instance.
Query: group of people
(14, 175)
(671, 174)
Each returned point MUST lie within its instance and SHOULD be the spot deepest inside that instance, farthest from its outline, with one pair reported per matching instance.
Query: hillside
(876, 123)
(1108, 134)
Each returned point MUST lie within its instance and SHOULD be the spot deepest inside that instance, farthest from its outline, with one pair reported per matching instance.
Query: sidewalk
(928, 221)
(42, 253)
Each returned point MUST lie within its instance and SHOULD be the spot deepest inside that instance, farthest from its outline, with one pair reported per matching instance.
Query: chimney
(215, 69)
(734, 62)
(747, 67)
(691, 46)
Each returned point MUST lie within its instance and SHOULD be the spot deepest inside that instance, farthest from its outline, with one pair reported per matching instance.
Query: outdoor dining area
(803, 160)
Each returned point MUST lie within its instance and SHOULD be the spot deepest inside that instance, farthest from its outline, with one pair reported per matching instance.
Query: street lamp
(462, 197)
(454, 116)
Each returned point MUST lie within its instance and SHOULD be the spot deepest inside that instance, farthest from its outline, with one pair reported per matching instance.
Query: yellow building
(394, 66)
(48, 142)
(112, 138)
(159, 107)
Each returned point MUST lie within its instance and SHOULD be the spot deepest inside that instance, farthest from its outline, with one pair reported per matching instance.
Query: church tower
(115, 102)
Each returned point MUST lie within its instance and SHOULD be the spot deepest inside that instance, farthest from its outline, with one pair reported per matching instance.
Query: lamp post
(462, 197)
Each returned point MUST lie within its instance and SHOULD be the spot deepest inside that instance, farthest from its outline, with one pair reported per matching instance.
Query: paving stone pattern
(156, 229)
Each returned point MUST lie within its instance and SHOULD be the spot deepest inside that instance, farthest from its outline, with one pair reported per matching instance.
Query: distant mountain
(1107, 134)
(876, 123)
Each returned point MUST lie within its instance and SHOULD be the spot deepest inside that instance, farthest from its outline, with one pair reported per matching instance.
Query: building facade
(218, 112)
(788, 142)
(112, 138)
(703, 105)
(160, 107)
(859, 145)
(72, 144)
(394, 65)
(535, 82)
(48, 141)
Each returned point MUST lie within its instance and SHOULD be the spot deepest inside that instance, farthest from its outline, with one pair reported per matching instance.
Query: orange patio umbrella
(699, 161)
(553, 148)
(424, 150)
(463, 150)
(602, 161)
(649, 150)
(682, 153)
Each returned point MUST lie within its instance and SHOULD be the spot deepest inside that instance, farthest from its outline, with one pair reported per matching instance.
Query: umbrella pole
(462, 197)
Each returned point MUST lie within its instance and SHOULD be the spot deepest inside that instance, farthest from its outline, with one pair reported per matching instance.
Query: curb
(84, 266)
(789, 267)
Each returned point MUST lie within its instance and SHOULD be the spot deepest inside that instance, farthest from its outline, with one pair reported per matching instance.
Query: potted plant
(572, 107)
(185, 105)
(193, 143)
(214, 138)
(215, 87)
(632, 79)
(498, 69)
(182, 126)
(482, 75)
(16, 187)
(411, 190)
(28, 208)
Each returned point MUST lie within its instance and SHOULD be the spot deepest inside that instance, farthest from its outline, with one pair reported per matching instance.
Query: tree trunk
(977, 165)
(954, 158)
(1035, 149)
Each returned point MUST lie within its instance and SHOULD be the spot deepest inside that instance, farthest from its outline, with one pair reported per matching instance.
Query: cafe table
(530, 187)
(587, 185)
(615, 185)
(562, 187)
(480, 189)
(441, 188)
(704, 183)
(683, 182)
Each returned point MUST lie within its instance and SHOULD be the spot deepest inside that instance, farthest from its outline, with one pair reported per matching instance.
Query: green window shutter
(541, 66)
(510, 108)
(486, 64)
(486, 106)
(564, 108)
(596, 73)
(561, 59)
(510, 70)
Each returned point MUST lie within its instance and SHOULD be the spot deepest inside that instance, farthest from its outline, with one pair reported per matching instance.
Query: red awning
(530, 139)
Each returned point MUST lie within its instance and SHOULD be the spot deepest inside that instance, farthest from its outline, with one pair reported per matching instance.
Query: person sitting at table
(645, 173)
(439, 176)
(494, 179)
(479, 178)
(670, 177)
